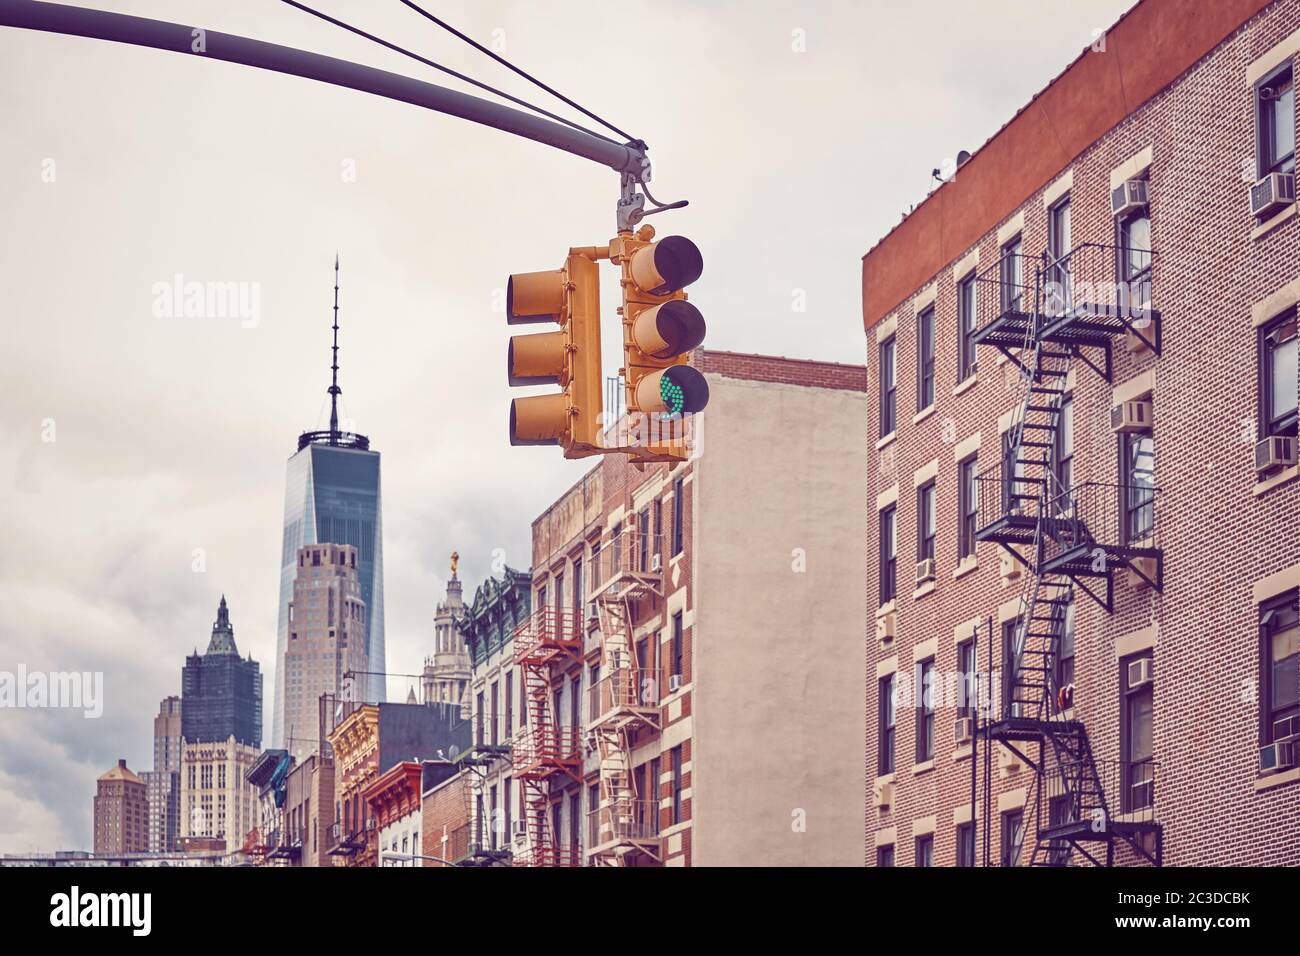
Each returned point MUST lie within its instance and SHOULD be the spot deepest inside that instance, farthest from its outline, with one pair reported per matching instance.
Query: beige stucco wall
(780, 655)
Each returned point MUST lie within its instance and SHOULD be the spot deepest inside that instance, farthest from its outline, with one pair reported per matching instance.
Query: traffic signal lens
(676, 390)
(669, 329)
(667, 266)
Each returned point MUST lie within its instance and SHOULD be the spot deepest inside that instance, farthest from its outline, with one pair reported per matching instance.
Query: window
(925, 521)
(577, 583)
(925, 358)
(652, 795)
(679, 508)
(677, 784)
(966, 328)
(888, 387)
(1275, 123)
(559, 591)
(507, 807)
(1280, 693)
(1012, 831)
(1277, 375)
(496, 711)
(1059, 813)
(1063, 450)
(967, 507)
(677, 651)
(492, 818)
(968, 677)
(1064, 663)
(480, 709)
(965, 844)
(575, 815)
(575, 703)
(1135, 738)
(1011, 276)
(885, 855)
(925, 850)
(1135, 265)
(510, 704)
(925, 711)
(1138, 478)
(643, 548)
(1012, 473)
(888, 717)
(1010, 668)
(888, 553)
(1058, 249)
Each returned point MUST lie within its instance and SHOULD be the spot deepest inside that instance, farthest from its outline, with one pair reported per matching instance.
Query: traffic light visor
(666, 266)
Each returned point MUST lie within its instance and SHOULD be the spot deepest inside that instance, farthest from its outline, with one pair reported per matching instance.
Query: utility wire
(506, 63)
(448, 70)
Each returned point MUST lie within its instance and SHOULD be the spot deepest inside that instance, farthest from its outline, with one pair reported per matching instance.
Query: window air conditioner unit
(884, 794)
(371, 825)
(1139, 672)
(592, 614)
(1132, 416)
(925, 570)
(674, 683)
(518, 830)
(1274, 452)
(1128, 197)
(1271, 194)
(963, 730)
(1278, 755)
(656, 562)
(887, 626)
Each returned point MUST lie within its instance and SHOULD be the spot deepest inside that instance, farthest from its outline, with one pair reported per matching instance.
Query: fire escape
(624, 705)
(545, 748)
(1071, 538)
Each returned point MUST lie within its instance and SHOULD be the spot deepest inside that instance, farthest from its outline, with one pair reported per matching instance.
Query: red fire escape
(545, 748)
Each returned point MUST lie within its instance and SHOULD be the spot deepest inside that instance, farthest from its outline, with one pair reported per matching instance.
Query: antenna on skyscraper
(334, 389)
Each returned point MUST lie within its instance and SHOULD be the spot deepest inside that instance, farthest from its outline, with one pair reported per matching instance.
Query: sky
(142, 451)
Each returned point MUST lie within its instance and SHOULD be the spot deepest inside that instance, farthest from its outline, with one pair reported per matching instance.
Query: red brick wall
(444, 808)
(1218, 537)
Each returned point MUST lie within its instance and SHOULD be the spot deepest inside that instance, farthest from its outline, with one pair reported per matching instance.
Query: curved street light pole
(629, 160)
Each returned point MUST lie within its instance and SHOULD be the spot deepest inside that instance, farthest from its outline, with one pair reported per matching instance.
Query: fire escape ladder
(1035, 511)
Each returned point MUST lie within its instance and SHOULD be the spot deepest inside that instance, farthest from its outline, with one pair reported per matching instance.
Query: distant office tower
(164, 781)
(332, 495)
(221, 692)
(120, 812)
(446, 673)
(167, 735)
(221, 723)
(327, 640)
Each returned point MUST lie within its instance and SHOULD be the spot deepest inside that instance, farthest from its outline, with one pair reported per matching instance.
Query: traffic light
(569, 357)
(660, 327)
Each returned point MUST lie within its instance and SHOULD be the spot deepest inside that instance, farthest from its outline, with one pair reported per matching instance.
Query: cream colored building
(216, 799)
(700, 639)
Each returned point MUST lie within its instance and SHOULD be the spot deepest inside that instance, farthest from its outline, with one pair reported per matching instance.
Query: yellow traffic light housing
(570, 357)
(660, 328)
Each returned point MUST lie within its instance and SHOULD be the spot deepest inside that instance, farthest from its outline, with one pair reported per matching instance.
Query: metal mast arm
(209, 44)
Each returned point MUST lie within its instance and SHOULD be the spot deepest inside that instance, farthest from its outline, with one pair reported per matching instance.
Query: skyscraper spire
(334, 389)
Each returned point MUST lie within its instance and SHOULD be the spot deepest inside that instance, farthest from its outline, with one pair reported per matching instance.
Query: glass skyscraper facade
(332, 496)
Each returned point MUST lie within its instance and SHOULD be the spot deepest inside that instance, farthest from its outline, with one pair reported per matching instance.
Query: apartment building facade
(121, 812)
(1086, 538)
(685, 671)
(492, 814)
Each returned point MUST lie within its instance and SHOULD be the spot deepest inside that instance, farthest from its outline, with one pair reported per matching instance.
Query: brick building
(394, 801)
(445, 800)
(686, 688)
(1083, 375)
(121, 812)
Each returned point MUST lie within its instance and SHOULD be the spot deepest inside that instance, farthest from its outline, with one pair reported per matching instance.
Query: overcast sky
(799, 131)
